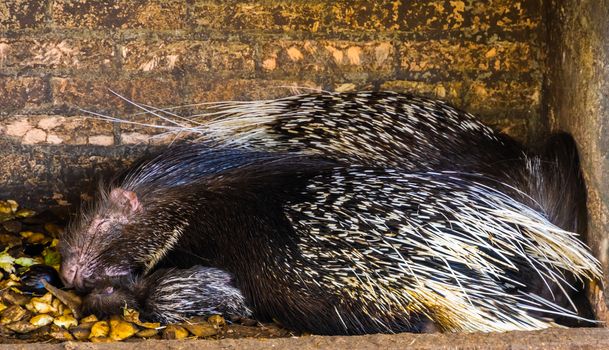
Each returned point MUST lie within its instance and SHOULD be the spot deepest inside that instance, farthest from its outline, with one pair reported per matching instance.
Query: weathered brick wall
(61, 55)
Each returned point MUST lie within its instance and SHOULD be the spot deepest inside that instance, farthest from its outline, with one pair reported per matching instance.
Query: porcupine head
(169, 295)
(88, 244)
(109, 299)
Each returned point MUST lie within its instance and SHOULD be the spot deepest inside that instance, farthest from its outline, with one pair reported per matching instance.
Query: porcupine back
(382, 128)
(405, 132)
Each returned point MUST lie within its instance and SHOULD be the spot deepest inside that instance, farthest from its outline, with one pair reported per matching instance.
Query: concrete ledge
(582, 338)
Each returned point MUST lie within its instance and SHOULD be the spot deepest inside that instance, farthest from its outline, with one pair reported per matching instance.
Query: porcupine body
(355, 237)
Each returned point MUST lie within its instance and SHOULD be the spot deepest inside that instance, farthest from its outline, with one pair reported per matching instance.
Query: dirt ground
(582, 338)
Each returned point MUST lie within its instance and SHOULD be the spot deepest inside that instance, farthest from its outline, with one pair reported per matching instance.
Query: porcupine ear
(125, 199)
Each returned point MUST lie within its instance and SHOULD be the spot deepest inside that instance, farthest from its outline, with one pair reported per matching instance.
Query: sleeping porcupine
(201, 291)
(352, 213)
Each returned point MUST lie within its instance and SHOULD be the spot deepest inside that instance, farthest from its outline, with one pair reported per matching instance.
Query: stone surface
(69, 54)
(22, 14)
(21, 93)
(154, 14)
(56, 52)
(523, 66)
(168, 54)
(57, 129)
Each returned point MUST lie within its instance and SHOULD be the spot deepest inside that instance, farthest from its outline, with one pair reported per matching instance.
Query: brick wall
(59, 56)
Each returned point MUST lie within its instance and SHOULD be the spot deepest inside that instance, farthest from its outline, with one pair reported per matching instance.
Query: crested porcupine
(368, 213)
(170, 295)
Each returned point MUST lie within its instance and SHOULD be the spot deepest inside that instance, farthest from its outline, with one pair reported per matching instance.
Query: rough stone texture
(167, 54)
(577, 102)
(21, 93)
(55, 52)
(22, 14)
(56, 129)
(153, 14)
(152, 47)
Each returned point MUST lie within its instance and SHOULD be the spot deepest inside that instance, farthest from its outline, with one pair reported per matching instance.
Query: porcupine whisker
(166, 111)
(98, 116)
(150, 111)
(171, 129)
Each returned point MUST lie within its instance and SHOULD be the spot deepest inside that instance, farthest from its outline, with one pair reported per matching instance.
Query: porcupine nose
(72, 276)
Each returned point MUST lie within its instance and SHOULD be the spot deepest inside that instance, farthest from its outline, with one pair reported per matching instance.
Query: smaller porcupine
(170, 295)
(358, 225)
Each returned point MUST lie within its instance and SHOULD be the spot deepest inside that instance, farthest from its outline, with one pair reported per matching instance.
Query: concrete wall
(577, 91)
(60, 55)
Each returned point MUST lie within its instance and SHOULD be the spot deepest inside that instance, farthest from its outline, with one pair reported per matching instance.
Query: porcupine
(370, 227)
(199, 291)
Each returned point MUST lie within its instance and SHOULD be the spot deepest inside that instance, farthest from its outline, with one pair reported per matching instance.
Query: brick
(158, 91)
(21, 92)
(286, 58)
(486, 98)
(471, 18)
(494, 98)
(97, 95)
(200, 90)
(361, 16)
(268, 16)
(57, 129)
(444, 58)
(54, 52)
(123, 14)
(154, 55)
(22, 14)
(451, 91)
(90, 93)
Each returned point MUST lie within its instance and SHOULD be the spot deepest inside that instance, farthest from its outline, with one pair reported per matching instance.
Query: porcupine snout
(74, 272)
